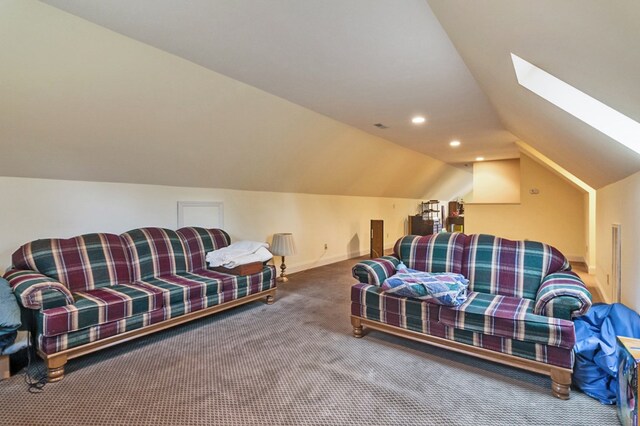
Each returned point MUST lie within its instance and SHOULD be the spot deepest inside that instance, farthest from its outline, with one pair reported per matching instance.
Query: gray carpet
(291, 363)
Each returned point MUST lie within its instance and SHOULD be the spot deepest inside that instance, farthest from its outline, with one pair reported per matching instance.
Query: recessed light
(418, 119)
(479, 158)
(454, 143)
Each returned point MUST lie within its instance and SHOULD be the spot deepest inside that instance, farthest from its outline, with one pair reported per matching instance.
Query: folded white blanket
(239, 253)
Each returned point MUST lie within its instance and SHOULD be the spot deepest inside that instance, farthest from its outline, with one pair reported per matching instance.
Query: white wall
(496, 182)
(41, 208)
(555, 215)
(619, 203)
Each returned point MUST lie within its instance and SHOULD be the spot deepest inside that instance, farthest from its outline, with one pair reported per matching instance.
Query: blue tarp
(596, 367)
(9, 315)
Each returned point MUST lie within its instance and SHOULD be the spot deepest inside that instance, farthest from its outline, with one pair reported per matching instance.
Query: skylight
(582, 106)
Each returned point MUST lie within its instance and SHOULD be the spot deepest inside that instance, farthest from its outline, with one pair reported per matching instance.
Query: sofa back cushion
(432, 253)
(82, 263)
(155, 252)
(509, 268)
(200, 241)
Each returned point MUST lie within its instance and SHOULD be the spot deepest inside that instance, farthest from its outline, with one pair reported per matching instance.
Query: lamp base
(283, 276)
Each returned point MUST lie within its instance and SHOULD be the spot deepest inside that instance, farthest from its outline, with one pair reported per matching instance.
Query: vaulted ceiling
(359, 62)
(592, 45)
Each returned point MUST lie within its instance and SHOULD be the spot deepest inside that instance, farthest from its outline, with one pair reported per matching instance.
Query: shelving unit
(431, 210)
(428, 220)
(455, 218)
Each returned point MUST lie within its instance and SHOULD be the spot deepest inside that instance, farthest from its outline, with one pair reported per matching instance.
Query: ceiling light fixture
(418, 119)
(479, 158)
(454, 143)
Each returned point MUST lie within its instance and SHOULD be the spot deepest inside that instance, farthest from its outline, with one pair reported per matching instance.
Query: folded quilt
(442, 288)
(239, 253)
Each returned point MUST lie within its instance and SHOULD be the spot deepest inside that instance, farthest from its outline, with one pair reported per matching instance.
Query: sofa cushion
(183, 287)
(100, 306)
(380, 306)
(482, 313)
(509, 317)
(238, 283)
(155, 252)
(509, 268)
(53, 344)
(81, 263)
(200, 241)
(61, 342)
(368, 301)
(432, 253)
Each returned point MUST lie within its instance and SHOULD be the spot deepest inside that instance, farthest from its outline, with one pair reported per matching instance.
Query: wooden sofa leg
(5, 371)
(560, 383)
(271, 297)
(55, 368)
(357, 327)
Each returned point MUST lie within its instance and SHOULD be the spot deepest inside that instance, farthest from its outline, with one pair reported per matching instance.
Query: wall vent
(616, 262)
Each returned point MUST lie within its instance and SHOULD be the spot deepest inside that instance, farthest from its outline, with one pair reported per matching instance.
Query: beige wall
(81, 102)
(496, 181)
(43, 208)
(619, 203)
(555, 216)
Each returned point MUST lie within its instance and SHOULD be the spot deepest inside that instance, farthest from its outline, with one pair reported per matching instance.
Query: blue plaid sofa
(96, 290)
(521, 300)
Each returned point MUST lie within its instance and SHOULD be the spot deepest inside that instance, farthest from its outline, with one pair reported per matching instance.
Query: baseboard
(602, 294)
(577, 259)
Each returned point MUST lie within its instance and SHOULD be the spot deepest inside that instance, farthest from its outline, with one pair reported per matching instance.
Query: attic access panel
(207, 214)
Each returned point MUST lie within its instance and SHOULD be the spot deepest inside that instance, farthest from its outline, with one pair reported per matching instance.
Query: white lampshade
(282, 245)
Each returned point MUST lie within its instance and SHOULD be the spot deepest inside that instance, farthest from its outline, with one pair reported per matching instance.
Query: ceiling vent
(381, 126)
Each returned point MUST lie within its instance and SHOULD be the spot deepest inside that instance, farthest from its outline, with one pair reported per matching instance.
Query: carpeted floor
(291, 363)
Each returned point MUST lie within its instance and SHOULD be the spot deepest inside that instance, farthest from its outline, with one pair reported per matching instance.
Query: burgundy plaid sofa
(521, 301)
(95, 290)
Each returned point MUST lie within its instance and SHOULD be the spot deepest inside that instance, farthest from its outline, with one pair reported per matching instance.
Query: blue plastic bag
(596, 367)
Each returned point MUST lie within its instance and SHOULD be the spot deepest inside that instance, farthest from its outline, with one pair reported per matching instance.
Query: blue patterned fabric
(442, 288)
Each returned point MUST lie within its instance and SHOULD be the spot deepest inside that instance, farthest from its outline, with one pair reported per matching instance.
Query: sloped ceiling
(590, 44)
(359, 61)
(75, 96)
(80, 102)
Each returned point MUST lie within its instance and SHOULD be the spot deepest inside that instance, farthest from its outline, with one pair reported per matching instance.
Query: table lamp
(282, 245)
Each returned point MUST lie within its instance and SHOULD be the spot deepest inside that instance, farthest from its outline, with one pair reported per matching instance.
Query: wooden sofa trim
(560, 377)
(56, 362)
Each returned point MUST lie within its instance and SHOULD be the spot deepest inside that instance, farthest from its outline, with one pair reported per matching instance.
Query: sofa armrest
(375, 271)
(562, 295)
(36, 291)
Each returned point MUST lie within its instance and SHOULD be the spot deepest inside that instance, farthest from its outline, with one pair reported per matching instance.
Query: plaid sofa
(96, 289)
(521, 300)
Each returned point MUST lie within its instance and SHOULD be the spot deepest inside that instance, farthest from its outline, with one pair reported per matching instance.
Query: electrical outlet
(326, 246)
(387, 235)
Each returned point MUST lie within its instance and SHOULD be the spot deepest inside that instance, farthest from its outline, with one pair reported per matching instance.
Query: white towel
(239, 253)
